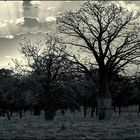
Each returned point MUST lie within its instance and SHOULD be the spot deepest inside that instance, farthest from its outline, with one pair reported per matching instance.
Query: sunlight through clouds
(9, 57)
(3, 25)
(32, 19)
(51, 18)
(10, 9)
(128, 4)
(19, 21)
(36, 2)
(19, 17)
(15, 16)
(10, 36)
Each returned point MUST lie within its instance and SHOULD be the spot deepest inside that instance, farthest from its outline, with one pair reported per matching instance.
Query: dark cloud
(31, 22)
(29, 10)
(26, 3)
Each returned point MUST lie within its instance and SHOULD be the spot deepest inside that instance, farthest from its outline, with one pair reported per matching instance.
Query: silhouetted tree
(123, 92)
(5, 73)
(136, 98)
(6, 81)
(110, 34)
(48, 69)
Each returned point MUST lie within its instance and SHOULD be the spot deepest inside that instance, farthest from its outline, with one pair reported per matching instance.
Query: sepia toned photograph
(69, 70)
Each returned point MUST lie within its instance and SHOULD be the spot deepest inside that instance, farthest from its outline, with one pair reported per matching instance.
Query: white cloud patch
(3, 25)
(51, 8)
(19, 20)
(36, 2)
(11, 21)
(9, 57)
(59, 12)
(50, 19)
(5, 20)
(130, 6)
(2, 65)
(10, 36)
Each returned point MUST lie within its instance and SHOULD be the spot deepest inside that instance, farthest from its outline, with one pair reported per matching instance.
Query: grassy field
(70, 127)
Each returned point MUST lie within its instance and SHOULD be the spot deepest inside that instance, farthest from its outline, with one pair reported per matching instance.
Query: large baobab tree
(108, 32)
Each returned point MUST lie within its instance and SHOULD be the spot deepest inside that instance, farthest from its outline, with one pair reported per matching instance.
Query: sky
(30, 19)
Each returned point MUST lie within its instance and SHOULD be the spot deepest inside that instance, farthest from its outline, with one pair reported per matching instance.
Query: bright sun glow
(12, 15)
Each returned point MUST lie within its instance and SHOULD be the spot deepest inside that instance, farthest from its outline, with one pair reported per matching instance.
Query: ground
(71, 126)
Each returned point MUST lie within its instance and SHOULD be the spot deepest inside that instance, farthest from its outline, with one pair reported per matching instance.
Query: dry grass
(70, 127)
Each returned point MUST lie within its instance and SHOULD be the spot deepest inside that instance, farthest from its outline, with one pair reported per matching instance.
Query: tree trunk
(138, 110)
(92, 111)
(63, 112)
(49, 114)
(119, 109)
(85, 111)
(8, 115)
(20, 113)
(104, 100)
(96, 112)
(36, 112)
(2, 113)
(31, 111)
(11, 113)
(114, 108)
(74, 112)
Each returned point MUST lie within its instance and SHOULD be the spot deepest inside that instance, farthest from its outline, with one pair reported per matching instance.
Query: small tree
(8, 91)
(47, 63)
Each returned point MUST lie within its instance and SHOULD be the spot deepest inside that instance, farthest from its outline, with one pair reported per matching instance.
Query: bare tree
(108, 32)
(45, 61)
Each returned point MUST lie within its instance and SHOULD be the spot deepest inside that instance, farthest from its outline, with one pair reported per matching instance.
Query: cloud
(36, 2)
(11, 21)
(10, 36)
(51, 8)
(19, 21)
(129, 5)
(35, 25)
(29, 16)
(9, 57)
(31, 22)
(50, 18)
(2, 65)
(11, 27)
(59, 13)
(3, 25)
(26, 3)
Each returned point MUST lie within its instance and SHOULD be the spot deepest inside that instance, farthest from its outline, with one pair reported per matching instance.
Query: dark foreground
(126, 126)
